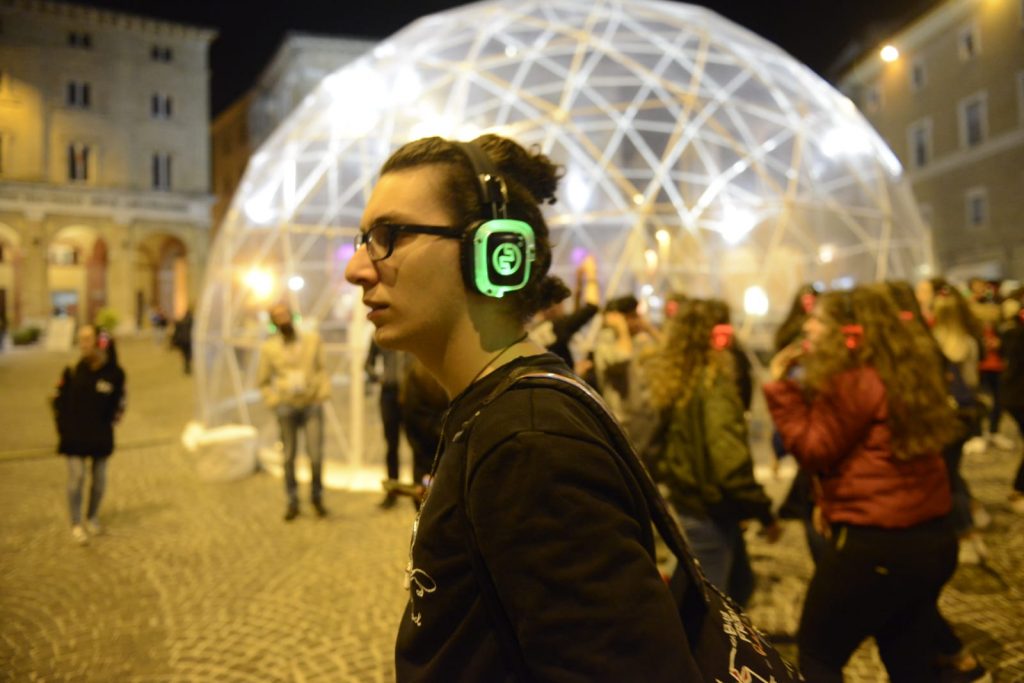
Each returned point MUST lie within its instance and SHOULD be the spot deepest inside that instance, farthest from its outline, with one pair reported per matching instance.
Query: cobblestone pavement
(204, 582)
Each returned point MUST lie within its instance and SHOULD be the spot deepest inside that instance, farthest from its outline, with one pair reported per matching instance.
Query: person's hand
(588, 269)
(771, 533)
(784, 360)
(819, 522)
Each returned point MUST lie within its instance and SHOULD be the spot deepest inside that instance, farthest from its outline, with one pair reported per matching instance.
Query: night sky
(813, 31)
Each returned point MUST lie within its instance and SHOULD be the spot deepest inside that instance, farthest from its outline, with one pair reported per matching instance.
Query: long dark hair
(920, 417)
(531, 178)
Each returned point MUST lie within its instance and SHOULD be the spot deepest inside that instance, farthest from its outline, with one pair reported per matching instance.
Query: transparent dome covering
(699, 158)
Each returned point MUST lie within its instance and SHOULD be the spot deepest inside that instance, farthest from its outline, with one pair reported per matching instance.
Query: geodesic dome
(699, 157)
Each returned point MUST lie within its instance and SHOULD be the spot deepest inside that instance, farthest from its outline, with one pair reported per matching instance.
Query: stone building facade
(948, 97)
(104, 163)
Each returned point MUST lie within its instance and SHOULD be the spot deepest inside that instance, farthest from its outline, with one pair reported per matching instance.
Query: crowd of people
(533, 553)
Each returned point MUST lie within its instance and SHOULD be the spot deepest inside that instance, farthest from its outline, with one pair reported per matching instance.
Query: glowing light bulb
(755, 301)
(889, 53)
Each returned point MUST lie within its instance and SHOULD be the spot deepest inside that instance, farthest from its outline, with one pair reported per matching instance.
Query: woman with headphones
(869, 423)
(530, 531)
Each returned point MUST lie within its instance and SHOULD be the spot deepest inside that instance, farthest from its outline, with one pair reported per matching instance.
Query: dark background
(814, 31)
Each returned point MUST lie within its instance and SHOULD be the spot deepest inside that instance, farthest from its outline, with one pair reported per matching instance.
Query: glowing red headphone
(721, 337)
(853, 334)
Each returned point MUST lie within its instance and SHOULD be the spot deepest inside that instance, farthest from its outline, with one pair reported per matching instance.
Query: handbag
(723, 643)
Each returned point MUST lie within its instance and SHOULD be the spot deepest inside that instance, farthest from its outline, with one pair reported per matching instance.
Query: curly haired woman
(870, 423)
(705, 459)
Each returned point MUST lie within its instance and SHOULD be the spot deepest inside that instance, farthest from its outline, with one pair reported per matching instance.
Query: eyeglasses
(380, 238)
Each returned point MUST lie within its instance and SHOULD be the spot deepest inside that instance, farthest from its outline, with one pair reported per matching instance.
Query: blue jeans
(76, 478)
(311, 419)
(722, 553)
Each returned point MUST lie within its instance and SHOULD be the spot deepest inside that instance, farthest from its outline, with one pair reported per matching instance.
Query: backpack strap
(688, 584)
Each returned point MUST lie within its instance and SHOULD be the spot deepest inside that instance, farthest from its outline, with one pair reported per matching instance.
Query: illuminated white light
(651, 259)
(826, 253)
(889, 53)
(647, 290)
(344, 86)
(296, 283)
(511, 51)
(260, 282)
(755, 301)
(258, 207)
(576, 191)
(408, 86)
(737, 222)
(663, 237)
(638, 199)
(846, 140)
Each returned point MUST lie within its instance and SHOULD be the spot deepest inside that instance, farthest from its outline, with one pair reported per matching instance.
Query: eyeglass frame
(363, 238)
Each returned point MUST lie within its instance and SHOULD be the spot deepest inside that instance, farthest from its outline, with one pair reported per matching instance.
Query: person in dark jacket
(564, 538)
(554, 329)
(89, 401)
(870, 423)
(704, 457)
(1013, 382)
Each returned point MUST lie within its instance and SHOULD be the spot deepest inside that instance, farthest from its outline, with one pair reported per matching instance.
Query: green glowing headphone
(497, 253)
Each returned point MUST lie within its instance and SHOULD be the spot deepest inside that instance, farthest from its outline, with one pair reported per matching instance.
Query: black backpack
(723, 643)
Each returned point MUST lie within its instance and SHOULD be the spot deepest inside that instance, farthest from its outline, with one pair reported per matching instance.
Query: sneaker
(291, 512)
(980, 516)
(79, 535)
(94, 527)
(321, 511)
(390, 500)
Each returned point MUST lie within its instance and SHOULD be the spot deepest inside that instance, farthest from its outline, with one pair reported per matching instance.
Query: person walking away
(182, 339)
(294, 383)
(870, 423)
(704, 460)
(1013, 383)
(952, 330)
(89, 402)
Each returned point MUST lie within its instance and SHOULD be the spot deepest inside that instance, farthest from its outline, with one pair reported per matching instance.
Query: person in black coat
(89, 401)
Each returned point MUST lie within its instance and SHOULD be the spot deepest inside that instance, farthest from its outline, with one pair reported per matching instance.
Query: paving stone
(204, 582)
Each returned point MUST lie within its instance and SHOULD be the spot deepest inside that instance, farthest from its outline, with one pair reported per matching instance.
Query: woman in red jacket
(869, 423)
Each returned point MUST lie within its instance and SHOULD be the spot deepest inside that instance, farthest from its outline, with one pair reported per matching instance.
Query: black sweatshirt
(88, 403)
(566, 536)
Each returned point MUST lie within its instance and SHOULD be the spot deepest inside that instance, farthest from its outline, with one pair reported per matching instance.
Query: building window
(161, 171)
(160, 106)
(78, 94)
(78, 161)
(973, 120)
(161, 53)
(918, 75)
(80, 39)
(919, 135)
(977, 207)
(968, 42)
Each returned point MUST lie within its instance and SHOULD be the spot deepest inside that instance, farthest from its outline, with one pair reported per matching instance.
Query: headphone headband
(493, 190)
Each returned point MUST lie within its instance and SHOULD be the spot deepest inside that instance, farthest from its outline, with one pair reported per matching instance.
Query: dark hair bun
(531, 169)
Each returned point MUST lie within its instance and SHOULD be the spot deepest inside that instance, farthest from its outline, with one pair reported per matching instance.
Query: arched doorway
(172, 278)
(10, 263)
(77, 273)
